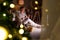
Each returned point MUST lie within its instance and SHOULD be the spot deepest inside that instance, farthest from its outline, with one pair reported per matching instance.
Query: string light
(24, 38)
(10, 36)
(4, 14)
(21, 26)
(35, 8)
(36, 2)
(21, 31)
(4, 3)
(3, 33)
(12, 5)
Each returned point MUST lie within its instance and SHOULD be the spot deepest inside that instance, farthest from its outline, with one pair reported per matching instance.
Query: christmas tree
(6, 23)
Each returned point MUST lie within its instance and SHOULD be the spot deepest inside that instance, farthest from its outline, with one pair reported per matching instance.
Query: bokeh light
(4, 14)
(46, 10)
(36, 8)
(3, 33)
(10, 35)
(4, 3)
(21, 31)
(21, 26)
(12, 5)
(24, 38)
(36, 2)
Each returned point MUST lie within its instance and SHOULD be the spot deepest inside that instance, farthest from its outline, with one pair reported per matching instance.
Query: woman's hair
(21, 8)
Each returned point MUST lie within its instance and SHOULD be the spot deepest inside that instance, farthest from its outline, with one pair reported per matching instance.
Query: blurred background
(43, 12)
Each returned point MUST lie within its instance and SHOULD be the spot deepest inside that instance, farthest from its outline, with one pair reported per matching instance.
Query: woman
(34, 28)
(23, 18)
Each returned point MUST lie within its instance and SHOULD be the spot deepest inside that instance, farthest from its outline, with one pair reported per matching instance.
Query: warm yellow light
(4, 4)
(21, 31)
(4, 14)
(24, 38)
(36, 2)
(3, 33)
(46, 10)
(12, 5)
(10, 36)
(21, 26)
(35, 8)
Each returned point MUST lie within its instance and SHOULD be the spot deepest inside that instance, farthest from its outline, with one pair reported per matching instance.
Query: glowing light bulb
(10, 36)
(3, 33)
(21, 31)
(24, 38)
(12, 5)
(4, 14)
(35, 8)
(36, 2)
(21, 26)
(4, 3)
